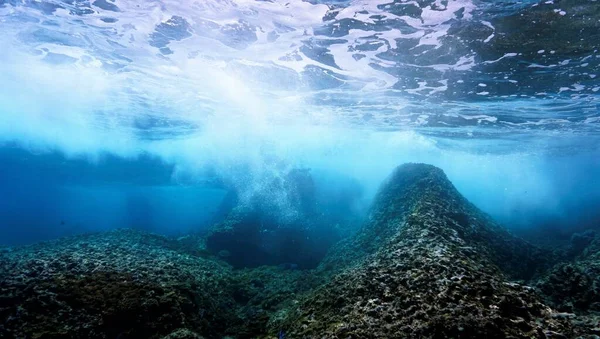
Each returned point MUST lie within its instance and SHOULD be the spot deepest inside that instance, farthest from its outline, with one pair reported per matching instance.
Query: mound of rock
(428, 264)
(131, 284)
(122, 284)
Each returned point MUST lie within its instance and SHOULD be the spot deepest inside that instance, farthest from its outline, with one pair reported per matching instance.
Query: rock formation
(427, 264)
(122, 284)
(573, 286)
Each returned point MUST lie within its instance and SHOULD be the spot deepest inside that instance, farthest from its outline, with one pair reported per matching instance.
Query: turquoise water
(126, 114)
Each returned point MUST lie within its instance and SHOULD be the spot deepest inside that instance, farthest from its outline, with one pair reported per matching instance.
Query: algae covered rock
(427, 264)
(574, 286)
(419, 194)
(183, 334)
(121, 284)
(131, 284)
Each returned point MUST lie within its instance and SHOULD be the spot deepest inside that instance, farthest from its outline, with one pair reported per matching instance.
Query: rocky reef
(426, 264)
(122, 284)
(573, 286)
(418, 202)
(131, 284)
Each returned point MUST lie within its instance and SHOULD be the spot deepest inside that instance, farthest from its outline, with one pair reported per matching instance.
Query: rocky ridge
(434, 267)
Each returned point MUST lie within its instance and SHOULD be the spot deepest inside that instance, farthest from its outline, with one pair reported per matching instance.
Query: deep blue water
(45, 196)
(123, 114)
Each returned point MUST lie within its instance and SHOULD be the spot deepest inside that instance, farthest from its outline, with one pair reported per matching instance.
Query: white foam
(491, 36)
(506, 55)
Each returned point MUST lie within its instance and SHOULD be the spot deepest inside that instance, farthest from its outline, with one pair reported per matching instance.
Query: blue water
(126, 114)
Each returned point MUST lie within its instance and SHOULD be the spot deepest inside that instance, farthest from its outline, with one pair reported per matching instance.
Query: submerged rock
(418, 201)
(130, 284)
(277, 225)
(581, 241)
(121, 284)
(183, 334)
(427, 264)
(574, 286)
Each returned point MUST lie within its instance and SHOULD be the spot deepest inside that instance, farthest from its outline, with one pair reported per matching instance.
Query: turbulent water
(121, 113)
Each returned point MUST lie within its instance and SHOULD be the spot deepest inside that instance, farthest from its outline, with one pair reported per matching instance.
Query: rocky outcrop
(428, 264)
(130, 284)
(573, 285)
(422, 195)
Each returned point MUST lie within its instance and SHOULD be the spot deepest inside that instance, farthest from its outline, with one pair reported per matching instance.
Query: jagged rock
(264, 291)
(427, 264)
(418, 192)
(571, 287)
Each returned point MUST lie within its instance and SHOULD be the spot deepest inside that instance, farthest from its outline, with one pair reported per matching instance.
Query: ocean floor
(425, 264)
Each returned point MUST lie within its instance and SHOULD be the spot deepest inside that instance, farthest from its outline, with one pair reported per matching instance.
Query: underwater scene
(297, 169)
